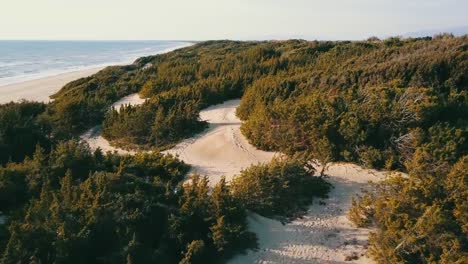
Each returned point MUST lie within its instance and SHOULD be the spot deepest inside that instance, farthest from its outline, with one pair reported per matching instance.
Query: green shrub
(282, 187)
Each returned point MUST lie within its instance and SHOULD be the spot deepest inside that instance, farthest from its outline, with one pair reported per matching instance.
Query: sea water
(28, 60)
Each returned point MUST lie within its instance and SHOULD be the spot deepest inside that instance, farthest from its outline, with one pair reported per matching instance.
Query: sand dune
(323, 235)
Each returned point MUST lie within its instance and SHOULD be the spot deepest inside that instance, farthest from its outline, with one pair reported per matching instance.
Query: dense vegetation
(21, 130)
(367, 102)
(283, 187)
(395, 104)
(83, 103)
(74, 206)
(165, 120)
(422, 218)
(67, 204)
(180, 84)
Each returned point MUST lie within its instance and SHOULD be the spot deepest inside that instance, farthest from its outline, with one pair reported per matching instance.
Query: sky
(225, 19)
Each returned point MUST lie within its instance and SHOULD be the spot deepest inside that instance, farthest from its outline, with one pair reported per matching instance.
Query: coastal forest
(394, 104)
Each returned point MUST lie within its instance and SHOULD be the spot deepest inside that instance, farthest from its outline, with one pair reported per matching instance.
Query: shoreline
(39, 89)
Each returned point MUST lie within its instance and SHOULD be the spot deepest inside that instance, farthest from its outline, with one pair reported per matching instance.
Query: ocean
(27, 60)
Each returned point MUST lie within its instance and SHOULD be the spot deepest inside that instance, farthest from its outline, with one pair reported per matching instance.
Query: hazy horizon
(241, 20)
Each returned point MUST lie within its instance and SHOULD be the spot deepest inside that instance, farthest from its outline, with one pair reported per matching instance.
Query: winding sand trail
(323, 235)
(221, 150)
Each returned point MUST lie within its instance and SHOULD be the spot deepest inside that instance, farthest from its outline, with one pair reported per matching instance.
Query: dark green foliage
(282, 187)
(421, 218)
(13, 189)
(21, 130)
(75, 206)
(161, 121)
(82, 103)
(229, 233)
(347, 79)
(363, 102)
(219, 220)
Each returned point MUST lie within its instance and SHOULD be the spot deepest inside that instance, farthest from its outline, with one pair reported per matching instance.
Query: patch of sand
(221, 149)
(324, 234)
(95, 140)
(133, 99)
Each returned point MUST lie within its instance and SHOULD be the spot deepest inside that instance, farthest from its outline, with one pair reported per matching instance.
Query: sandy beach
(41, 89)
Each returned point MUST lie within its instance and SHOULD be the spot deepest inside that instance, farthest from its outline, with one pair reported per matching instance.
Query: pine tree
(220, 234)
(194, 253)
(66, 189)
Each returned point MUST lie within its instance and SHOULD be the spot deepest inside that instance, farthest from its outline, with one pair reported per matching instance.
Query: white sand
(40, 89)
(95, 140)
(133, 99)
(221, 149)
(323, 235)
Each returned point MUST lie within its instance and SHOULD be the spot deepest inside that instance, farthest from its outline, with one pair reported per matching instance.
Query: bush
(282, 187)
(420, 218)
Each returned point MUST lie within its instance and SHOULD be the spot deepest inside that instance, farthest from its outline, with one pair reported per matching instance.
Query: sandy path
(221, 149)
(323, 235)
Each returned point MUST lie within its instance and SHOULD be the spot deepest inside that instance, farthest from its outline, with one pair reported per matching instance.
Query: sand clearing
(133, 99)
(40, 89)
(221, 149)
(95, 140)
(323, 235)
